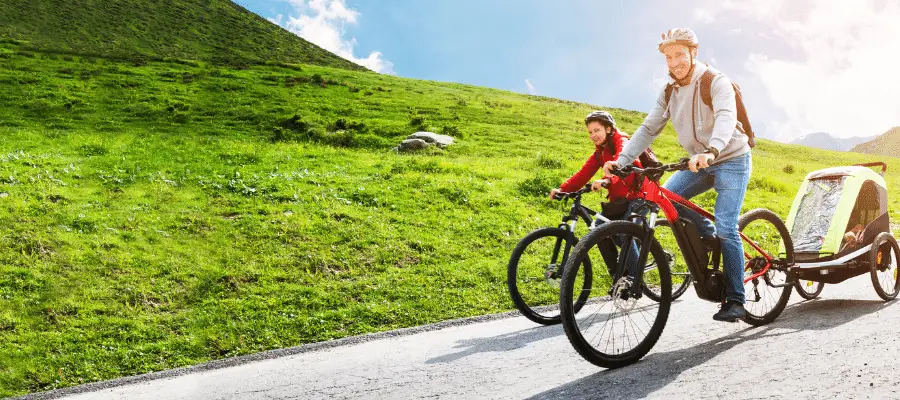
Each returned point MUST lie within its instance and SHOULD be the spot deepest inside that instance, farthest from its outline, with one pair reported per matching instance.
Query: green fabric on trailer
(852, 185)
(852, 180)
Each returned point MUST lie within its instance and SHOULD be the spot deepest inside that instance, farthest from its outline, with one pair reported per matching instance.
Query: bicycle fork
(634, 269)
(555, 269)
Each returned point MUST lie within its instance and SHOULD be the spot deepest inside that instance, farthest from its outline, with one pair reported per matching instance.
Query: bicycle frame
(569, 222)
(663, 198)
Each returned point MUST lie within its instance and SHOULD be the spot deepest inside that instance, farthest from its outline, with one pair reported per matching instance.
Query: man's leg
(731, 178)
(688, 184)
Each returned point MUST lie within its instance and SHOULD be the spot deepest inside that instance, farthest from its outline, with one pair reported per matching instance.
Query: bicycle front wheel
(534, 273)
(618, 325)
(768, 293)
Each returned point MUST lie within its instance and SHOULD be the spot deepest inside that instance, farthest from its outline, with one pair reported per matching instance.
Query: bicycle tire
(765, 215)
(542, 314)
(808, 294)
(567, 312)
(884, 241)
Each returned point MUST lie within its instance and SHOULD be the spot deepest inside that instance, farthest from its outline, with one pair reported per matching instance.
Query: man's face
(678, 59)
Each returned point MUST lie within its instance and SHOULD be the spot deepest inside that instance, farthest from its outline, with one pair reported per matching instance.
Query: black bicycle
(537, 263)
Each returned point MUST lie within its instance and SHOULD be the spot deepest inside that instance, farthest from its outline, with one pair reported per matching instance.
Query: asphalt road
(844, 344)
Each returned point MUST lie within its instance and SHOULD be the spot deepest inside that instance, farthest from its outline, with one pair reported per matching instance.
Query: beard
(681, 72)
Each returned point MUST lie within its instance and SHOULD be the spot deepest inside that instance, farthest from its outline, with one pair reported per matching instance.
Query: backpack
(648, 159)
(706, 95)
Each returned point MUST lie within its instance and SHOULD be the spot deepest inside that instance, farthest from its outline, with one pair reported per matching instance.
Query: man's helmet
(602, 116)
(683, 36)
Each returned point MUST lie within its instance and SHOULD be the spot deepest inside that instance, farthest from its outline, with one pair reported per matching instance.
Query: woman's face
(597, 132)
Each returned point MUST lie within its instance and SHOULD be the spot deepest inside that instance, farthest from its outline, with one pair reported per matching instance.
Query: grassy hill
(166, 214)
(217, 31)
(888, 144)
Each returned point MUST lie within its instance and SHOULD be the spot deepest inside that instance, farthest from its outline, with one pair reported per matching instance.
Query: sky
(803, 66)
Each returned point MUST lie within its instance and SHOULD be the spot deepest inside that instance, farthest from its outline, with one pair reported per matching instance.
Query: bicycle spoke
(611, 326)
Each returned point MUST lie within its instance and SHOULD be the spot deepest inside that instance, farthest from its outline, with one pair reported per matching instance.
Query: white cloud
(841, 78)
(277, 20)
(704, 15)
(530, 87)
(322, 22)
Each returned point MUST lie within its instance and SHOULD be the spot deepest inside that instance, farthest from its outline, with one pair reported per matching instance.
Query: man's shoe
(731, 312)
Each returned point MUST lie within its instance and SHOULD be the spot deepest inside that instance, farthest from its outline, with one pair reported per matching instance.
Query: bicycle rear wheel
(618, 325)
(533, 274)
(681, 276)
(767, 294)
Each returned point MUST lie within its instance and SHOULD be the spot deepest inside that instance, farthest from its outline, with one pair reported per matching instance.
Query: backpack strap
(706, 96)
(706, 86)
(669, 88)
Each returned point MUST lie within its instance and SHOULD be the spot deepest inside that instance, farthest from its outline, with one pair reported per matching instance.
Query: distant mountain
(217, 31)
(887, 144)
(822, 140)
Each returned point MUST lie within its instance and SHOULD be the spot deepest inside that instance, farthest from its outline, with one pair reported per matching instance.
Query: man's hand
(553, 193)
(609, 166)
(700, 161)
(600, 184)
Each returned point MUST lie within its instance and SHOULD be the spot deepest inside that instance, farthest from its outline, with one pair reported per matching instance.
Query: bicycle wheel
(767, 294)
(616, 327)
(681, 277)
(883, 266)
(808, 289)
(534, 272)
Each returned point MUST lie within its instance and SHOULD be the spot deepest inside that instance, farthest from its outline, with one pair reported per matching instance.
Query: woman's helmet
(601, 116)
(683, 36)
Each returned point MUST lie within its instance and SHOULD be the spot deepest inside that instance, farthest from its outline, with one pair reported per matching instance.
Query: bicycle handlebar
(654, 173)
(572, 195)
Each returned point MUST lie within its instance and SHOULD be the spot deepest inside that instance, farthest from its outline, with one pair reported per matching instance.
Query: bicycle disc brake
(621, 295)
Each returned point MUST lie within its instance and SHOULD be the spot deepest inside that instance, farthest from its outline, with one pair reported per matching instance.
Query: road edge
(265, 355)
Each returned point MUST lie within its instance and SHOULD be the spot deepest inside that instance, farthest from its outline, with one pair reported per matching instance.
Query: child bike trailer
(840, 227)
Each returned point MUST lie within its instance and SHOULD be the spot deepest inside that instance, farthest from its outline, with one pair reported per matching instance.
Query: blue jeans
(729, 179)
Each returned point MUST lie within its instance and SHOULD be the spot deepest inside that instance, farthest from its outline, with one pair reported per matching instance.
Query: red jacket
(609, 151)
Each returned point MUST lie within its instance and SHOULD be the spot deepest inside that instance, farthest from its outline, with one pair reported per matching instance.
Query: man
(719, 150)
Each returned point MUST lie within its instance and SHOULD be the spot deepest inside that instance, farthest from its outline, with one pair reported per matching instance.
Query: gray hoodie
(715, 127)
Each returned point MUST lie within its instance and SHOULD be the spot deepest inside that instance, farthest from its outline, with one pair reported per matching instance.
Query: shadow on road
(659, 369)
(506, 342)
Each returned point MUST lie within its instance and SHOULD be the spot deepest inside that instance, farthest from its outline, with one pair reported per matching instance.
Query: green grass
(163, 215)
(217, 31)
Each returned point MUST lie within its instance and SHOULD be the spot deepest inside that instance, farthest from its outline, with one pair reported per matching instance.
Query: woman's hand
(609, 166)
(600, 184)
(553, 193)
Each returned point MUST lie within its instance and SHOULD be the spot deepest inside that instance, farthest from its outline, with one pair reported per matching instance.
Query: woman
(608, 143)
